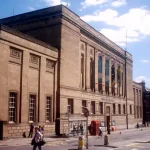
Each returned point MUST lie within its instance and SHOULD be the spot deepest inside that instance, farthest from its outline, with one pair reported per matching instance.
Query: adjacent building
(54, 63)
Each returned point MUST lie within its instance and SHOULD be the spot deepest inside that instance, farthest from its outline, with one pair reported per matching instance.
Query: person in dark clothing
(31, 130)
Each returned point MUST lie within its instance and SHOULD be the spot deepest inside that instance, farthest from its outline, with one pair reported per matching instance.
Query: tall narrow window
(101, 107)
(119, 108)
(107, 76)
(130, 109)
(83, 105)
(113, 79)
(93, 107)
(48, 108)
(137, 107)
(70, 105)
(92, 74)
(100, 87)
(114, 108)
(82, 70)
(122, 83)
(12, 106)
(32, 104)
(124, 109)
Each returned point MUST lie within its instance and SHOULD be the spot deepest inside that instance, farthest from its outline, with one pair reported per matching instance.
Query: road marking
(134, 145)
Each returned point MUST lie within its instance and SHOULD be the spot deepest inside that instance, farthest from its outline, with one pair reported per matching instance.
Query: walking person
(31, 131)
(37, 139)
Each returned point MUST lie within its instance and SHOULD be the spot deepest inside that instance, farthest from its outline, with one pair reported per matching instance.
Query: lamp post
(86, 114)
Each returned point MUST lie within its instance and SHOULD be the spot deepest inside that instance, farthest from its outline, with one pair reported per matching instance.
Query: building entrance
(1, 130)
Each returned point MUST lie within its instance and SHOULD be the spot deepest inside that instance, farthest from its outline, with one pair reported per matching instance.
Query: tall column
(88, 68)
(110, 77)
(116, 85)
(96, 71)
(120, 81)
(41, 91)
(103, 72)
(25, 96)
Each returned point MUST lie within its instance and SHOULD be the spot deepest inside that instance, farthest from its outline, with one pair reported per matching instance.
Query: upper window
(130, 109)
(114, 108)
(124, 109)
(82, 70)
(93, 107)
(119, 108)
(83, 105)
(101, 107)
(12, 106)
(70, 106)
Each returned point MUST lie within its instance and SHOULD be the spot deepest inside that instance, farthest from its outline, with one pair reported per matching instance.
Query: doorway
(1, 130)
(108, 122)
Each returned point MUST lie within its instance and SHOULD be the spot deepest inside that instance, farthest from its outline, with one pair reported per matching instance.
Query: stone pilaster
(116, 86)
(41, 92)
(25, 94)
(103, 72)
(88, 68)
(110, 76)
(96, 71)
(121, 81)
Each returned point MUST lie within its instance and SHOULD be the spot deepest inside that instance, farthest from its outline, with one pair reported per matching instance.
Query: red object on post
(95, 127)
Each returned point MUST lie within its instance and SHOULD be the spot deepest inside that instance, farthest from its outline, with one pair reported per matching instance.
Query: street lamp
(86, 114)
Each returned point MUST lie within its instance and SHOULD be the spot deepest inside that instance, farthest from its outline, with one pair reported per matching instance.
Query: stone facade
(92, 71)
(25, 72)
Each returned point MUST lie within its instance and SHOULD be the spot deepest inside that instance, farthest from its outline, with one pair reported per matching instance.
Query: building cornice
(26, 37)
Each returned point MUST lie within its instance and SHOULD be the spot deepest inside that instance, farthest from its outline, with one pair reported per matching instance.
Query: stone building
(89, 70)
(138, 101)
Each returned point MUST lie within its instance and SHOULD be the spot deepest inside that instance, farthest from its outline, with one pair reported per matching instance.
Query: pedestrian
(31, 130)
(37, 139)
(100, 131)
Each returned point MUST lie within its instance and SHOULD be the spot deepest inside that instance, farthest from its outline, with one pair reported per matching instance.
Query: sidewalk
(50, 138)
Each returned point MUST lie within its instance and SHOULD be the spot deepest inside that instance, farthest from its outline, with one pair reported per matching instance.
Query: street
(129, 140)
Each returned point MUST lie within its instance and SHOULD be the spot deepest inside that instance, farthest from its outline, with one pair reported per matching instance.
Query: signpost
(86, 114)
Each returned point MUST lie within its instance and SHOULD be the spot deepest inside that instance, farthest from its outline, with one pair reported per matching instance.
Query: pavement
(131, 139)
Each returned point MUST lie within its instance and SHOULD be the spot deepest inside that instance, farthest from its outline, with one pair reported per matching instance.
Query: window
(114, 109)
(48, 108)
(83, 104)
(137, 107)
(113, 79)
(119, 108)
(124, 109)
(140, 112)
(32, 104)
(101, 107)
(107, 76)
(100, 73)
(130, 109)
(93, 107)
(91, 74)
(82, 70)
(122, 83)
(12, 106)
(70, 106)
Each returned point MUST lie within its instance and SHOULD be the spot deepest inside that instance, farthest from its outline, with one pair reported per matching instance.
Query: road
(135, 140)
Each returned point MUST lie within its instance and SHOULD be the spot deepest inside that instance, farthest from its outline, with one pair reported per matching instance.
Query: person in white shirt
(37, 138)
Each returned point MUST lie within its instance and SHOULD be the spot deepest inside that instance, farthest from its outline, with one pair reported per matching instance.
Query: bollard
(81, 143)
(106, 142)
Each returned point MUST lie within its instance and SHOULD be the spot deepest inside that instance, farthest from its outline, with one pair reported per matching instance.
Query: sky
(116, 19)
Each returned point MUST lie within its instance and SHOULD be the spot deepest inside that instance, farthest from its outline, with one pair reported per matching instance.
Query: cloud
(88, 3)
(31, 8)
(118, 3)
(142, 78)
(136, 21)
(144, 61)
(119, 35)
(55, 2)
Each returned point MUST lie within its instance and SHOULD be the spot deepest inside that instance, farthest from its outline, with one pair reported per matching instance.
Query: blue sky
(110, 17)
